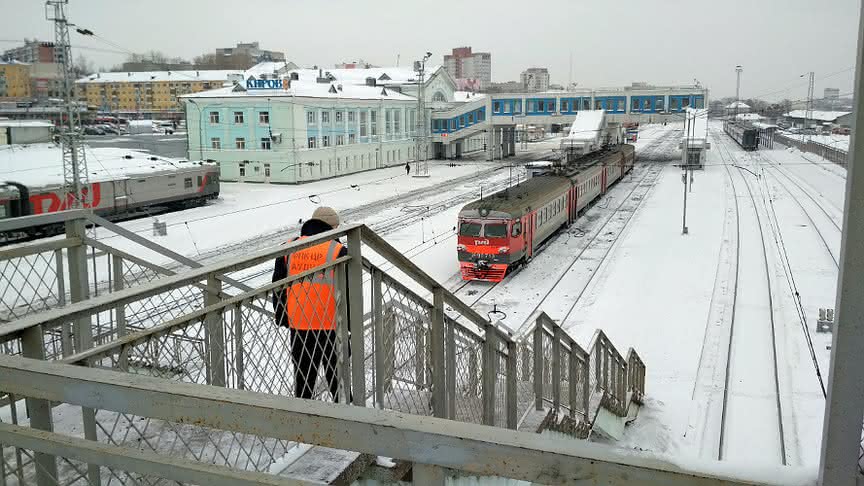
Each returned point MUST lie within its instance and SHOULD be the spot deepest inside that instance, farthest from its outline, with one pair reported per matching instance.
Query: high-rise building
(462, 63)
(245, 53)
(832, 93)
(33, 51)
(535, 79)
(14, 80)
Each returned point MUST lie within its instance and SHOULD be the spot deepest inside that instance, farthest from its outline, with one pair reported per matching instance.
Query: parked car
(92, 130)
(841, 131)
(163, 127)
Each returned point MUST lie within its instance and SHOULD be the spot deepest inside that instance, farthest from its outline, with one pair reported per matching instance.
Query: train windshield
(495, 231)
(468, 228)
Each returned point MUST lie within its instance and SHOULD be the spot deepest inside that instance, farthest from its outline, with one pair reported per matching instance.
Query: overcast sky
(611, 42)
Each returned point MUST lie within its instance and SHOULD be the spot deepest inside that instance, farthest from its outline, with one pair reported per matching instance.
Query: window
(396, 121)
(266, 170)
(363, 123)
(187, 183)
(311, 142)
(216, 143)
(238, 117)
(658, 104)
(350, 117)
(352, 138)
(496, 107)
(325, 117)
(242, 169)
(634, 104)
(598, 104)
(495, 230)
(470, 118)
(438, 96)
(373, 119)
(325, 141)
(240, 143)
(311, 118)
(586, 103)
(340, 140)
(517, 229)
(265, 143)
(264, 118)
(646, 104)
(339, 117)
(200, 181)
(470, 229)
(565, 105)
(214, 117)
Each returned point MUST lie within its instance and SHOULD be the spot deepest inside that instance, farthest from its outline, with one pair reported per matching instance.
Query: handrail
(55, 317)
(12, 224)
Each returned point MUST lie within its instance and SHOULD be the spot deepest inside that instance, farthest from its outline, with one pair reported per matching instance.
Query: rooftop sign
(253, 84)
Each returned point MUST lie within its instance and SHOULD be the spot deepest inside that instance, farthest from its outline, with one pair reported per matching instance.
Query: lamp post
(738, 70)
(421, 133)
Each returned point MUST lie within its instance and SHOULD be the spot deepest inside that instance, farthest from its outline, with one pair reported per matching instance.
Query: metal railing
(834, 154)
(391, 349)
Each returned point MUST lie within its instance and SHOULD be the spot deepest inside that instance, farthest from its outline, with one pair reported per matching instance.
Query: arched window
(439, 96)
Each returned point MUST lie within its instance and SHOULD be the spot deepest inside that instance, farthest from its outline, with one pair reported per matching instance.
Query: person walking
(407, 168)
(307, 307)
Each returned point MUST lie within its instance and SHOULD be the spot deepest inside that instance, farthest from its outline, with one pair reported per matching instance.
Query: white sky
(612, 43)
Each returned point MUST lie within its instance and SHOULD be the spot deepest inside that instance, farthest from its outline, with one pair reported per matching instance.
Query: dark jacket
(280, 270)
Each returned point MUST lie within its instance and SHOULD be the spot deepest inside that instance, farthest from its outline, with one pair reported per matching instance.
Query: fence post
(556, 366)
(538, 364)
(490, 373)
(215, 341)
(512, 398)
(65, 329)
(355, 310)
(420, 353)
(450, 369)
(436, 342)
(78, 284)
(586, 384)
(120, 310)
(32, 346)
(378, 337)
(573, 377)
(340, 282)
(239, 348)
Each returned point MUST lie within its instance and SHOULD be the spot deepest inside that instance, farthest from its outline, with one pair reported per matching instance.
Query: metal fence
(391, 349)
(839, 157)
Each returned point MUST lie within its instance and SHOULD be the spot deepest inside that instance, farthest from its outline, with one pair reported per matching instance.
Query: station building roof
(826, 116)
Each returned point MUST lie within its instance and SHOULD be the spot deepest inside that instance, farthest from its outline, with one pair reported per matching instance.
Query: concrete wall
(23, 135)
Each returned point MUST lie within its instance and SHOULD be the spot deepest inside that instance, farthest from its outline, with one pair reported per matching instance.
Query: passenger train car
(185, 185)
(501, 231)
(743, 133)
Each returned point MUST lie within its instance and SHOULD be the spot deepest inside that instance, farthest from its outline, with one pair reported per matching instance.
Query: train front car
(485, 244)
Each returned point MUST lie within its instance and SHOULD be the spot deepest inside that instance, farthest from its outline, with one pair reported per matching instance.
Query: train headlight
(460, 248)
(504, 249)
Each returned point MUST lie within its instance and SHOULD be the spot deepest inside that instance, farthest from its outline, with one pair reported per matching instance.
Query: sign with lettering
(253, 84)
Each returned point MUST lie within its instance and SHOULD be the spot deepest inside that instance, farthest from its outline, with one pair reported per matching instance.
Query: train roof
(527, 194)
(41, 165)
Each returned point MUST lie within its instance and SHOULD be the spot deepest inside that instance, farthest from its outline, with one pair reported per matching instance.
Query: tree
(82, 66)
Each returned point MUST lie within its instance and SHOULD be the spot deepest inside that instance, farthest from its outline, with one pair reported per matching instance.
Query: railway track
(752, 412)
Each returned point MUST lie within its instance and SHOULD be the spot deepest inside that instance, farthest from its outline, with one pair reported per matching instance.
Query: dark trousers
(309, 349)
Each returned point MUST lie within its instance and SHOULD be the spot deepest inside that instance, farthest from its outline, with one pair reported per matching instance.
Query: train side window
(200, 181)
(517, 229)
(187, 182)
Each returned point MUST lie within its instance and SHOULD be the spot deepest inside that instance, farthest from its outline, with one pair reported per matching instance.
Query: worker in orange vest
(308, 306)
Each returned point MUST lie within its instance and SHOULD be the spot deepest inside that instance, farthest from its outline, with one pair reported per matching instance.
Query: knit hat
(327, 215)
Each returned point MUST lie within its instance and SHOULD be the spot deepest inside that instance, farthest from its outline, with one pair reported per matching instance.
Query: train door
(603, 179)
(121, 195)
(529, 235)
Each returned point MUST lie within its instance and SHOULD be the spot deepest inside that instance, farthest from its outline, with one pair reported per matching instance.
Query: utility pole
(74, 160)
(738, 70)
(808, 112)
(684, 157)
(420, 145)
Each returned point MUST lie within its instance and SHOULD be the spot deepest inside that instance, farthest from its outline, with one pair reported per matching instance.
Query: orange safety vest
(311, 302)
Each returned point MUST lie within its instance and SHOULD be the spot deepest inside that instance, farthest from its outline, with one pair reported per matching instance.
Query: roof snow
(748, 116)
(828, 116)
(42, 164)
(25, 124)
(308, 90)
(145, 76)
(587, 125)
(465, 96)
(738, 104)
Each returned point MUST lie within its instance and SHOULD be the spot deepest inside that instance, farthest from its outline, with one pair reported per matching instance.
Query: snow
(293, 454)
(586, 126)
(308, 90)
(42, 164)
(738, 104)
(385, 462)
(466, 96)
(828, 116)
(159, 76)
(834, 140)
(748, 116)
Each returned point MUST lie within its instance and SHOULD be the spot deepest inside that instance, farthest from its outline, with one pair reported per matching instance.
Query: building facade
(150, 93)
(535, 79)
(250, 50)
(462, 63)
(15, 80)
(33, 51)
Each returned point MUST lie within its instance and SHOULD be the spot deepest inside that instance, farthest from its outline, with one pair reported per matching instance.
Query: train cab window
(495, 231)
(517, 229)
(470, 229)
(187, 182)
